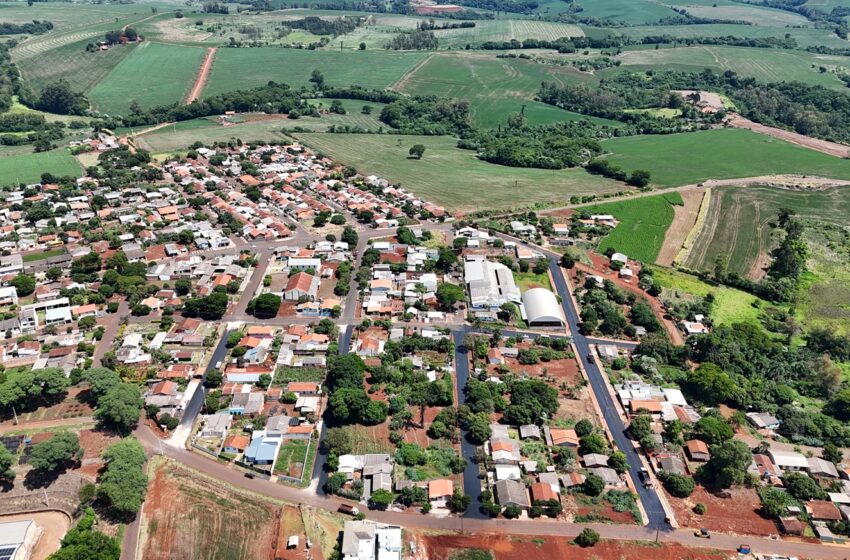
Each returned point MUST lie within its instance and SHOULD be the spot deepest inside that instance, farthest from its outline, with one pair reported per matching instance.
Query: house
(822, 510)
(763, 467)
(439, 492)
(166, 398)
(671, 464)
(505, 451)
(607, 474)
(247, 404)
(8, 295)
(542, 492)
(216, 425)
(236, 444)
(763, 420)
(301, 285)
(263, 448)
(529, 431)
(788, 461)
(367, 540)
(511, 493)
(593, 460)
(792, 526)
(304, 388)
(821, 467)
(691, 327)
(697, 451)
(564, 437)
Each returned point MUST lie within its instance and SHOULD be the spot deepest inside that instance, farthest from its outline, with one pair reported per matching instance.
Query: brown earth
(737, 513)
(503, 547)
(71, 411)
(203, 74)
(684, 218)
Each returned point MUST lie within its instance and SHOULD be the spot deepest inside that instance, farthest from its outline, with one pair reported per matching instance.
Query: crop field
(69, 15)
(643, 222)
(27, 168)
(634, 12)
(494, 87)
(756, 15)
(453, 177)
(182, 135)
(154, 74)
(189, 516)
(681, 159)
(765, 65)
(245, 68)
(505, 30)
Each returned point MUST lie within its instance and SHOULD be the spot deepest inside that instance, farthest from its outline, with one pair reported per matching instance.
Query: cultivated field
(451, 176)
(634, 12)
(753, 14)
(643, 223)
(188, 516)
(27, 168)
(505, 30)
(765, 65)
(681, 159)
(245, 68)
(154, 74)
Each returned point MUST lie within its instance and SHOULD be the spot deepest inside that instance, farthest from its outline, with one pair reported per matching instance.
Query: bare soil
(684, 218)
(734, 512)
(203, 74)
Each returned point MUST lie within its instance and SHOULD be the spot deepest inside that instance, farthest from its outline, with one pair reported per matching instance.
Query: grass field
(529, 280)
(153, 74)
(453, 177)
(680, 159)
(183, 134)
(643, 222)
(805, 36)
(634, 12)
(494, 87)
(27, 168)
(756, 15)
(730, 305)
(765, 65)
(505, 30)
(245, 68)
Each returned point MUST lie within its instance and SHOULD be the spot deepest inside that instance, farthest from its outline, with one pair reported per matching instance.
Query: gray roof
(541, 306)
(610, 476)
(512, 492)
(353, 533)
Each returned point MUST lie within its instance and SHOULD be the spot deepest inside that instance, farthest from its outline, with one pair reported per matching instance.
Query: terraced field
(245, 68)
(154, 74)
(453, 177)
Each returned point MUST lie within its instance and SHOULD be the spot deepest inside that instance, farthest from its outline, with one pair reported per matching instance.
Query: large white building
(542, 309)
(490, 284)
(18, 539)
(367, 540)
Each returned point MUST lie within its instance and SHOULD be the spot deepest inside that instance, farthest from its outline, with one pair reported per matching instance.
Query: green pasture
(453, 177)
(505, 30)
(27, 168)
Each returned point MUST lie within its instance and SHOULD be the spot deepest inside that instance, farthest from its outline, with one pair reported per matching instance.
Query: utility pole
(16, 415)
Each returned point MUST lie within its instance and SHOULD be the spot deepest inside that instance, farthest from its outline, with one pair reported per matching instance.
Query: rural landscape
(421, 280)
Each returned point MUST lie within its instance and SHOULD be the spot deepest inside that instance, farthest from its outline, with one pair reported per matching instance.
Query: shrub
(587, 538)
(700, 509)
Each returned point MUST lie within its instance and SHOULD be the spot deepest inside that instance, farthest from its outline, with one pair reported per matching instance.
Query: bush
(512, 512)
(587, 538)
(593, 485)
(678, 485)
(700, 509)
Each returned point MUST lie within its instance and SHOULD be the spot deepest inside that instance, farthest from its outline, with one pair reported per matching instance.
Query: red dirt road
(203, 74)
(823, 146)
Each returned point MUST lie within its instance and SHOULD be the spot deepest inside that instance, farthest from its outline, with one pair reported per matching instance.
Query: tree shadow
(37, 480)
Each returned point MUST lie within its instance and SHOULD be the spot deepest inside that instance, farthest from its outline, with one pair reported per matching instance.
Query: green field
(453, 177)
(529, 280)
(633, 12)
(505, 30)
(756, 15)
(494, 87)
(765, 65)
(643, 223)
(153, 74)
(681, 159)
(245, 68)
(27, 168)
(730, 305)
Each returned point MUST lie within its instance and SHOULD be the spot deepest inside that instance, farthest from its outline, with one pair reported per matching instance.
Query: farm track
(684, 219)
(822, 146)
(401, 82)
(203, 76)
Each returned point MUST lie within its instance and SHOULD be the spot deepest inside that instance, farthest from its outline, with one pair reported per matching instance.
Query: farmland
(626, 11)
(154, 74)
(505, 30)
(246, 68)
(643, 222)
(451, 176)
(723, 154)
(27, 168)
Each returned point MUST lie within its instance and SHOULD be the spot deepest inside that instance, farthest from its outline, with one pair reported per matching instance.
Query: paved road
(471, 480)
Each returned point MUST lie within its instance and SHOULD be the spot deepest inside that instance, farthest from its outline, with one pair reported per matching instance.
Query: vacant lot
(643, 223)
(154, 74)
(246, 68)
(453, 177)
(27, 168)
(722, 154)
(188, 516)
(736, 511)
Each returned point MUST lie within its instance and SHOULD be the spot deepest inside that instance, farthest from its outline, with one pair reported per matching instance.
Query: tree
(584, 427)
(317, 79)
(169, 421)
(832, 453)
(213, 379)
(478, 428)
(587, 538)
(727, 466)
(100, 381)
(87, 323)
(774, 502)
(266, 306)
(123, 484)
(593, 485)
(6, 462)
(617, 461)
(55, 453)
(375, 413)
(120, 407)
(713, 430)
(362, 46)
(24, 284)
(417, 151)
(592, 443)
(381, 499)
(84, 543)
(678, 485)
(711, 385)
(568, 260)
(449, 294)
(639, 178)
(802, 487)
(335, 482)
(459, 502)
(839, 405)
(58, 97)
(338, 440)
(512, 512)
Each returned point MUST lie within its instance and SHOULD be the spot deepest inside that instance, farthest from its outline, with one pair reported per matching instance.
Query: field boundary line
(202, 77)
(400, 83)
(696, 229)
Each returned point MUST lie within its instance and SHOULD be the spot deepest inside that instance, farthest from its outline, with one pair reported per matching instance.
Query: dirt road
(823, 146)
(203, 74)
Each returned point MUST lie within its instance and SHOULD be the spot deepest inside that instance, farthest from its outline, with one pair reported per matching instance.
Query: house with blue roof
(263, 448)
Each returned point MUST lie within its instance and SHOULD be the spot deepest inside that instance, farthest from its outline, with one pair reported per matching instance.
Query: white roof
(541, 305)
(13, 533)
(508, 472)
(788, 458)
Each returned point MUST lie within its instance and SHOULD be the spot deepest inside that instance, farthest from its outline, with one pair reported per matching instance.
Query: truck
(347, 509)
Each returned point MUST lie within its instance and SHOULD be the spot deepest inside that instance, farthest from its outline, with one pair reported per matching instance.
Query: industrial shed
(542, 309)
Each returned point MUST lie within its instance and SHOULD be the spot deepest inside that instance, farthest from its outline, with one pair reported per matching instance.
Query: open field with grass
(180, 136)
(153, 74)
(643, 222)
(730, 305)
(27, 168)
(453, 177)
(529, 280)
(765, 65)
(634, 12)
(681, 159)
(505, 30)
(494, 87)
(756, 15)
(245, 68)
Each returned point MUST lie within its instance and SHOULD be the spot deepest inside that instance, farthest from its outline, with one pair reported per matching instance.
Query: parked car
(702, 533)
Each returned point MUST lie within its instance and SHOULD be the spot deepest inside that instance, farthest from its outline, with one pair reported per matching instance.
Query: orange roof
(250, 342)
(163, 388)
(302, 429)
(300, 281)
(302, 386)
(440, 488)
(237, 442)
(564, 437)
(260, 331)
(696, 446)
(80, 309)
(249, 180)
(543, 492)
(651, 406)
(501, 445)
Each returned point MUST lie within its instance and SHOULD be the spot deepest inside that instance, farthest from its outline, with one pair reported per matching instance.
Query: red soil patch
(287, 309)
(94, 443)
(201, 79)
(737, 513)
(504, 547)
